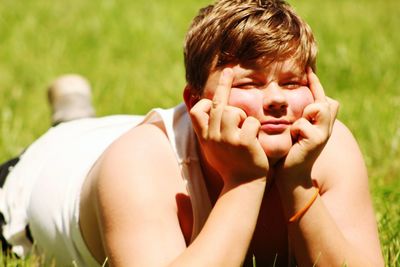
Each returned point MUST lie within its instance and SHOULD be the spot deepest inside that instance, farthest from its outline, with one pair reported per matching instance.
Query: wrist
(254, 183)
(299, 212)
(233, 179)
(297, 198)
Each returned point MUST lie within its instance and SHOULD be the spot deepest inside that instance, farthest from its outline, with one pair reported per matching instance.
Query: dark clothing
(5, 169)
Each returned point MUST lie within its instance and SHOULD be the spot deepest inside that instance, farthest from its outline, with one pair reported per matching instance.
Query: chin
(276, 154)
(276, 146)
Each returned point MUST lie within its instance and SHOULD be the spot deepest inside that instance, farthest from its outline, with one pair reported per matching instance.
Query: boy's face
(276, 95)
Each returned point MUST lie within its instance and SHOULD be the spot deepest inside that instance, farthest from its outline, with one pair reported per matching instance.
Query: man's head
(245, 32)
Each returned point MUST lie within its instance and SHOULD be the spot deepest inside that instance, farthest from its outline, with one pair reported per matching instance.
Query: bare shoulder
(133, 188)
(341, 161)
(142, 158)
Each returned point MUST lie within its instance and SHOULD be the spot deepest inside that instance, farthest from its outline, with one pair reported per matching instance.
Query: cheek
(250, 101)
(298, 100)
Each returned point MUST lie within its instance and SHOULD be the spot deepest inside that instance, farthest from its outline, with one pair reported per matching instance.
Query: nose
(274, 98)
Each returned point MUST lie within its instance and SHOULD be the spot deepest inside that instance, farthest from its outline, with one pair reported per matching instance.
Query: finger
(220, 100)
(334, 108)
(315, 86)
(232, 119)
(318, 114)
(301, 125)
(250, 128)
(200, 118)
(301, 129)
(221, 95)
(312, 141)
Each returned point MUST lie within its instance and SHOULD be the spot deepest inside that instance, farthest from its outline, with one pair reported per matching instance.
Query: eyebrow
(247, 73)
(297, 73)
(251, 73)
(256, 71)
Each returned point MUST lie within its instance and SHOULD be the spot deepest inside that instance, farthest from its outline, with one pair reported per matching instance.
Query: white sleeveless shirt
(44, 187)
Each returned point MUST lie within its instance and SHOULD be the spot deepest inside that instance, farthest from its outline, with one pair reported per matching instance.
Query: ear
(189, 98)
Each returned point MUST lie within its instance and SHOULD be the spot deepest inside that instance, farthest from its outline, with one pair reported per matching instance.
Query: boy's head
(246, 32)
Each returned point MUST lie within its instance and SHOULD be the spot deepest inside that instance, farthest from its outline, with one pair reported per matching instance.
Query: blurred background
(131, 52)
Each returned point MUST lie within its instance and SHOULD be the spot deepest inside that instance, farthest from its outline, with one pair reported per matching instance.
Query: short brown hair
(245, 31)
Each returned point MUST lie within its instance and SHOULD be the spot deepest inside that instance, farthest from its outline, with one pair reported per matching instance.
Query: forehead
(288, 66)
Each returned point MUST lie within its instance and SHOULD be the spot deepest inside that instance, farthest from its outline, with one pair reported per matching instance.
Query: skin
(125, 196)
(258, 92)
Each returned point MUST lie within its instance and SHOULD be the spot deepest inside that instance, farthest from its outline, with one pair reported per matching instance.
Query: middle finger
(219, 101)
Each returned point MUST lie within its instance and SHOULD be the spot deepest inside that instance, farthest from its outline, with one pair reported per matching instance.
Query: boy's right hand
(228, 138)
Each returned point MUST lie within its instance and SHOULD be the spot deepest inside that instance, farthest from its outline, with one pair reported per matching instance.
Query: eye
(295, 83)
(244, 86)
(291, 85)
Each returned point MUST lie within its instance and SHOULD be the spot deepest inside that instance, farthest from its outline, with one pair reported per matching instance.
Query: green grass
(131, 51)
(359, 66)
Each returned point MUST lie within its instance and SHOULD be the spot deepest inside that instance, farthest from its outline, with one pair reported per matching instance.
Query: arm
(136, 182)
(339, 228)
(136, 205)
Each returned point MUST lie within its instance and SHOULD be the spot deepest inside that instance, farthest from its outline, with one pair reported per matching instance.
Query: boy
(250, 166)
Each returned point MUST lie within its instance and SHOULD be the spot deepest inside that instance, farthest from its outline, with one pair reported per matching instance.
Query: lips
(275, 126)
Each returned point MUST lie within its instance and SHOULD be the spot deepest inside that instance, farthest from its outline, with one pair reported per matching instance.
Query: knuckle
(326, 108)
(227, 113)
(199, 106)
(232, 114)
(230, 139)
(193, 112)
(216, 104)
(231, 109)
(322, 105)
(309, 108)
(204, 134)
(331, 100)
(300, 122)
(213, 137)
(252, 120)
(335, 104)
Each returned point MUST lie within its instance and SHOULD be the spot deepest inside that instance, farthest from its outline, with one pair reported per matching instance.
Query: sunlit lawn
(131, 51)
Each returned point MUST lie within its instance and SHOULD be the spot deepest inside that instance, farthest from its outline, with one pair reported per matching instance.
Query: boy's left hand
(310, 134)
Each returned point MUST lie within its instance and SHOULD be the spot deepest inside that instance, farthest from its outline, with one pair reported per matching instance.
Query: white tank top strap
(184, 143)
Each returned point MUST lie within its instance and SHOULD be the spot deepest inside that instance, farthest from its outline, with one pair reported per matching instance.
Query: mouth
(274, 126)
